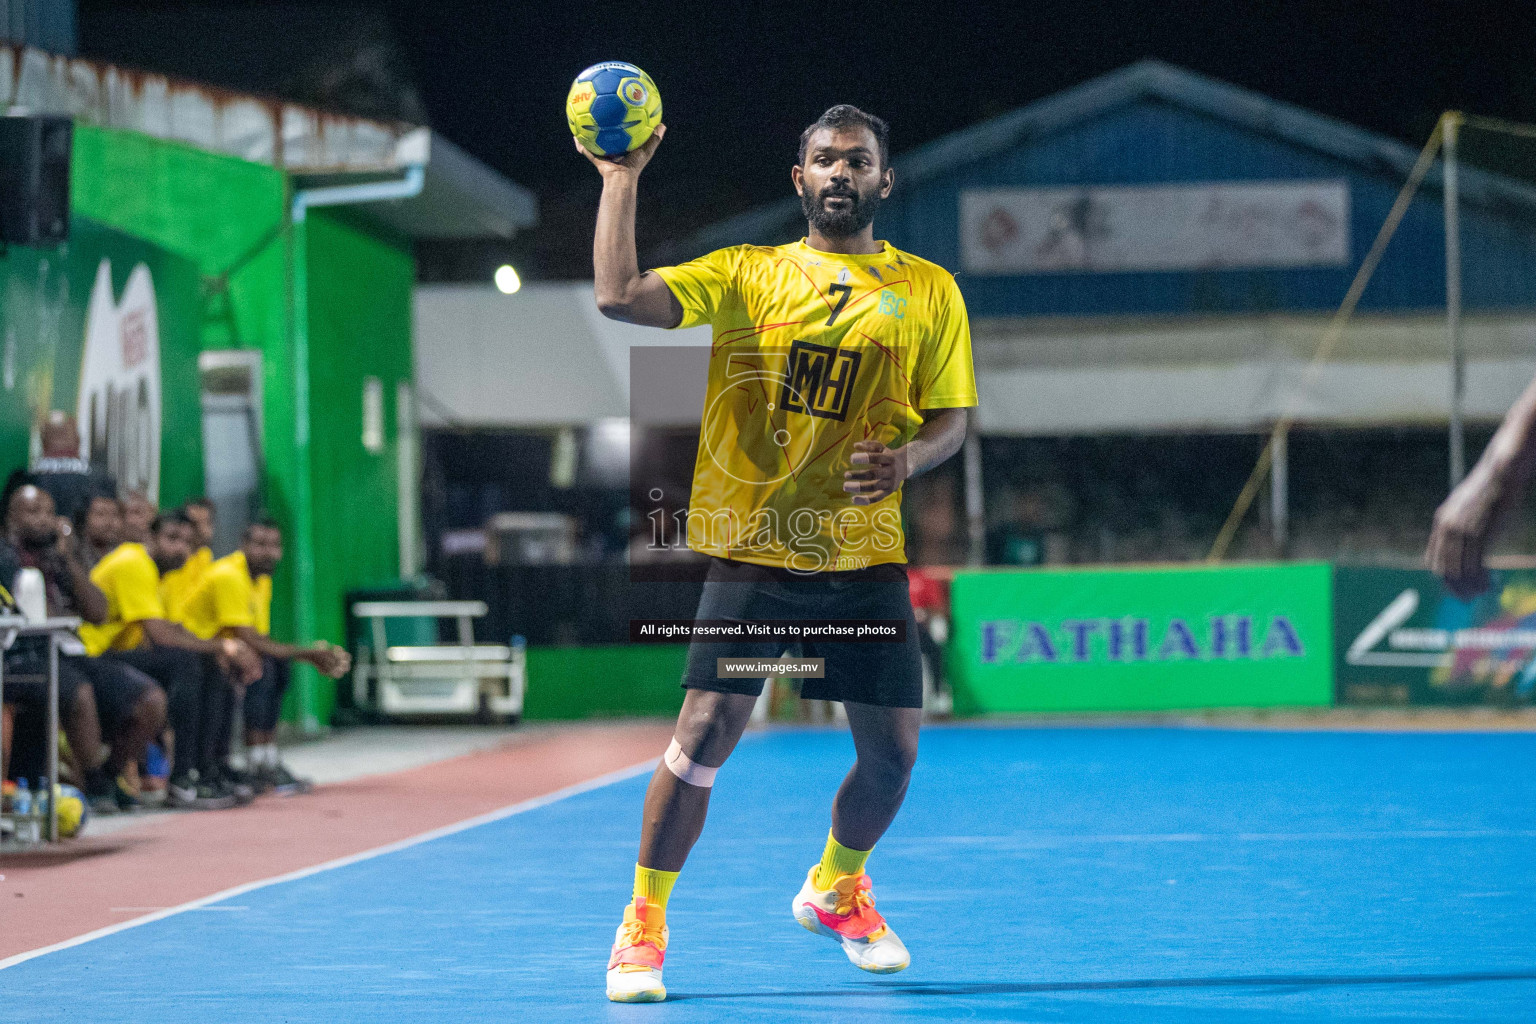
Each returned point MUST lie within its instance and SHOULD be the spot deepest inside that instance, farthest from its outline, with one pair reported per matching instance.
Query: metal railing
(13, 627)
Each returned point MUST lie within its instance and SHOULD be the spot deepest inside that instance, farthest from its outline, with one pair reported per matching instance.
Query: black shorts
(887, 674)
(264, 698)
(27, 688)
(118, 689)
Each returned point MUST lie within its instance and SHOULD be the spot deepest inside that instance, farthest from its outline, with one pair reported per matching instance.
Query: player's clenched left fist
(878, 472)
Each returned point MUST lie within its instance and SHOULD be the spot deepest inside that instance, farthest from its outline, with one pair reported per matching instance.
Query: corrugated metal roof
(1148, 79)
(253, 128)
(462, 197)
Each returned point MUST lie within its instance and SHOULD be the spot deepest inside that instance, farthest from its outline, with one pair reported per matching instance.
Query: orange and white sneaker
(639, 948)
(846, 912)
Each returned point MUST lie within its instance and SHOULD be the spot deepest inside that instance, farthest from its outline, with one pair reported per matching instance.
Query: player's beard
(842, 223)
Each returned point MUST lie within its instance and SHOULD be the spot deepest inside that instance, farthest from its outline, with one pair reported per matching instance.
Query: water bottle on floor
(21, 811)
(42, 798)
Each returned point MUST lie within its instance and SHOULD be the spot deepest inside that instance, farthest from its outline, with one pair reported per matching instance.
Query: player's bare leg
(708, 728)
(837, 899)
(676, 803)
(872, 793)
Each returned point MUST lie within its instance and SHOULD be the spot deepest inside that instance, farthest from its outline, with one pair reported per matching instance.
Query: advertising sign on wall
(1203, 226)
(119, 403)
(104, 328)
(1141, 638)
(1403, 639)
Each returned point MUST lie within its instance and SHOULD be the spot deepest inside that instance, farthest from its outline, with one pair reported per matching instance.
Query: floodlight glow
(507, 281)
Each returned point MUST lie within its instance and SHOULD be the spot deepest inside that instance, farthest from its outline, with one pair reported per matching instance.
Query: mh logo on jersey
(819, 380)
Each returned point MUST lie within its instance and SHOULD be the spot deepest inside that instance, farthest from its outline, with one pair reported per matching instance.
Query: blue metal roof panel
(1154, 123)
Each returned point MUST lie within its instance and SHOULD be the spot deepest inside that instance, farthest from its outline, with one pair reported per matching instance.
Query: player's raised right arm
(622, 292)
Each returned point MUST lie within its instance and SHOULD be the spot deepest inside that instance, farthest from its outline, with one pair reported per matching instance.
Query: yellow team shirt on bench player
(227, 598)
(813, 352)
(131, 581)
(178, 585)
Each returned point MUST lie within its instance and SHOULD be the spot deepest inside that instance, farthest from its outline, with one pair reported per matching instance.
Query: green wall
(611, 679)
(44, 295)
(360, 284)
(327, 303)
(227, 217)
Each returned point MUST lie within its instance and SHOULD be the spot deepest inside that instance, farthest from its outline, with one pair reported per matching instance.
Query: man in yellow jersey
(178, 585)
(196, 674)
(120, 705)
(840, 367)
(234, 599)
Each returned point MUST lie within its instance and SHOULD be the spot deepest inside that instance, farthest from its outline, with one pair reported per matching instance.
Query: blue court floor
(1036, 875)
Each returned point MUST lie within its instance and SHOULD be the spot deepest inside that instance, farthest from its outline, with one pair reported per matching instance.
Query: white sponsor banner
(1203, 226)
(119, 407)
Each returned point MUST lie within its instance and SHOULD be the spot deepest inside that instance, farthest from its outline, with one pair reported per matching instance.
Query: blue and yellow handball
(613, 108)
(74, 812)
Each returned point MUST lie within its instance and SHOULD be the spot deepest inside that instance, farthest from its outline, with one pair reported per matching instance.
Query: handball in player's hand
(613, 108)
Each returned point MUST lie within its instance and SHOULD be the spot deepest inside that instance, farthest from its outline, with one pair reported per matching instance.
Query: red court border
(146, 873)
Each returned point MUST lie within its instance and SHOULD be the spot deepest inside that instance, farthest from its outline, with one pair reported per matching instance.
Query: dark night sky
(739, 80)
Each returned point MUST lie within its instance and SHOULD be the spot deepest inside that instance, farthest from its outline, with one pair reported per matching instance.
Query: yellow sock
(837, 860)
(654, 885)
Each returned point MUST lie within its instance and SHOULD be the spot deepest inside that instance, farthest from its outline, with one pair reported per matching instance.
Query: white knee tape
(679, 764)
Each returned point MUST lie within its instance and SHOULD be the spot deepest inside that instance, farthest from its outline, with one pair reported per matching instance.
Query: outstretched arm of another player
(622, 292)
(879, 470)
(1467, 520)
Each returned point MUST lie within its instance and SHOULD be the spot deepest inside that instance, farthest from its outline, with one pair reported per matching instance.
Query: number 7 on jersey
(842, 291)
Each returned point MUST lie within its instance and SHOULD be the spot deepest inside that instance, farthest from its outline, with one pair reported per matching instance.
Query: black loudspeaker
(34, 179)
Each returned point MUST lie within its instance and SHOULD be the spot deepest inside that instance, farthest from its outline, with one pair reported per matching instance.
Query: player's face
(104, 522)
(138, 514)
(172, 546)
(841, 181)
(31, 517)
(263, 550)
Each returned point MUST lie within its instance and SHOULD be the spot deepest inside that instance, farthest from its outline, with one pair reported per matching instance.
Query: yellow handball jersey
(812, 353)
(131, 581)
(228, 597)
(178, 585)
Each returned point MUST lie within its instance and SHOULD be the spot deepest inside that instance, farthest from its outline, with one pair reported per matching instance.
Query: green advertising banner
(1402, 639)
(104, 327)
(1138, 639)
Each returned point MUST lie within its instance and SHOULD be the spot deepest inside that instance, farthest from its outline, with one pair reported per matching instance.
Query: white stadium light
(507, 281)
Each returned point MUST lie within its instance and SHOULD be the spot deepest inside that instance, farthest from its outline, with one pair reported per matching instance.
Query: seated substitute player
(235, 600)
(196, 674)
(138, 515)
(98, 528)
(120, 704)
(841, 366)
(178, 585)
